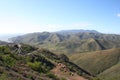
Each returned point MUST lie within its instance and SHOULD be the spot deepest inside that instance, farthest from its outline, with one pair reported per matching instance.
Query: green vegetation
(4, 49)
(21, 67)
(8, 60)
(37, 66)
(51, 75)
(104, 64)
(111, 73)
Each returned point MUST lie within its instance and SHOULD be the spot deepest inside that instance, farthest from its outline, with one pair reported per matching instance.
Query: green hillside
(112, 73)
(103, 63)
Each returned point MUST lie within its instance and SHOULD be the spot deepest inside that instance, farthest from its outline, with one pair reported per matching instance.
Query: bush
(51, 75)
(3, 76)
(4, 49)
(8, 61)
(36, 66)
(62, 79)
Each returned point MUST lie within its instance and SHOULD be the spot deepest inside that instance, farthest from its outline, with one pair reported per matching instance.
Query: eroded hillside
(37, 64)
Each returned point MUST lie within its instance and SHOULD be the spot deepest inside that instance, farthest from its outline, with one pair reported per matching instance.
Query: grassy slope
(112, 73)
(97, 62)
(73, 46)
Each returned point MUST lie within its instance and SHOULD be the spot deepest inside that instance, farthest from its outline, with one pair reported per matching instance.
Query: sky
(27, 16)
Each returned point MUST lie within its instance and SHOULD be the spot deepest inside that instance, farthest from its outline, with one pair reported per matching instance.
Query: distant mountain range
(4, 37)
(3, 43)
(76, 31)
(70, 41)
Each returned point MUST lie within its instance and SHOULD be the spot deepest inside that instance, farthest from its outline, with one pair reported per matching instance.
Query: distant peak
(77, 31)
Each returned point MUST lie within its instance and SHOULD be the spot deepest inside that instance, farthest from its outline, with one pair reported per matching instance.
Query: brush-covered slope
(71, 41)
(106, 63)
(112, 73)
(37, 64)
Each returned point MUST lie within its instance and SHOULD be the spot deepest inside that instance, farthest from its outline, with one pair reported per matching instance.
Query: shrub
(51, 75)
(62, 79)
(4, 49)
(8, 61)
(36, 66)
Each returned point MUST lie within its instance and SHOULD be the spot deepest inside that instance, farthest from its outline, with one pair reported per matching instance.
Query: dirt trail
(62, 71)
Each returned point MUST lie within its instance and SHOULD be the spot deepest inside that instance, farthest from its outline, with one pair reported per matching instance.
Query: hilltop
(37, 64)
(73, 41)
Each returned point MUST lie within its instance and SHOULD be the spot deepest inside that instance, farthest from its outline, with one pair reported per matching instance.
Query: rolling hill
(104, 64)
(73, 41)
(111, 73)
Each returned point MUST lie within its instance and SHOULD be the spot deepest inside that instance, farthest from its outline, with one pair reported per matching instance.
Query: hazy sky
(24, 16)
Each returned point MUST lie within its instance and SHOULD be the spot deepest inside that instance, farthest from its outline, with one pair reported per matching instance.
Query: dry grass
(97, 62)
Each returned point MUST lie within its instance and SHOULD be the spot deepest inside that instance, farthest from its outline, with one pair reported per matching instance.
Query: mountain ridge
(71, 41)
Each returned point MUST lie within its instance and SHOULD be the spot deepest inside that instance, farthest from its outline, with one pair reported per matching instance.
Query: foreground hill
(73, 41)
(104, 64)
(37, 64)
